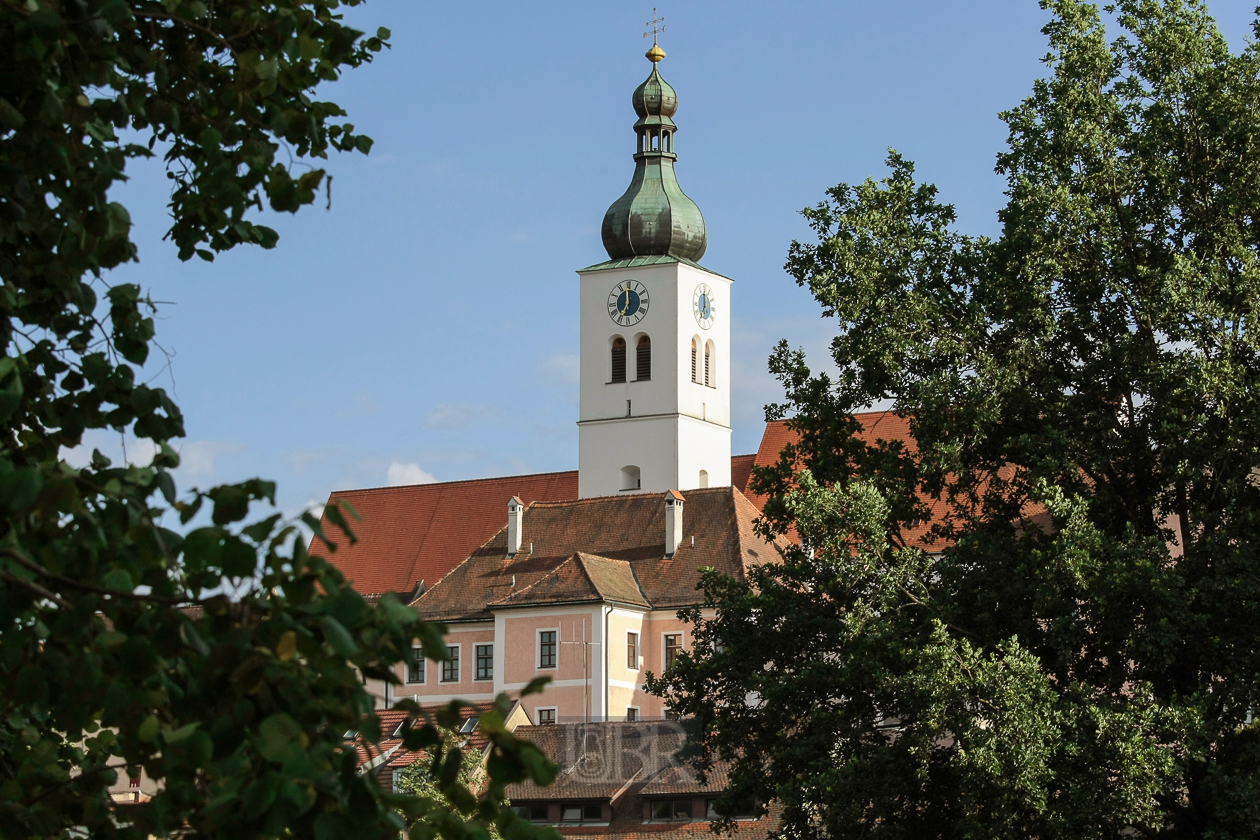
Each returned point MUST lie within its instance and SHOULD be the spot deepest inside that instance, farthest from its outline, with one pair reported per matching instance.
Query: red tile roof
(876, 426)
(580, 579)
(421, 531)
(718, 532)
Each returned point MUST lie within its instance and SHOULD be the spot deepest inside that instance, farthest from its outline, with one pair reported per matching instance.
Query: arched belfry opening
(631, 479)
(643, 359)
(618, 360)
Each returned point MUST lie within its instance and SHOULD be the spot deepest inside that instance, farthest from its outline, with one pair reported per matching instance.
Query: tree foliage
(118, 648)
(1073, 653)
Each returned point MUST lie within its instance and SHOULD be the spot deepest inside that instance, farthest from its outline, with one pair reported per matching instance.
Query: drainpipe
(607, 645)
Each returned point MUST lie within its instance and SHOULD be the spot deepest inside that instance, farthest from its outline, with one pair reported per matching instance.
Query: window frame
(538, 649)
(682, 646)
(538, 713)
(642, 357)
(673, 806)
(452, 664)
(612, 360)
(637, 714)
(637, 647)
(531, 809)
(477, 662)
(417, 660)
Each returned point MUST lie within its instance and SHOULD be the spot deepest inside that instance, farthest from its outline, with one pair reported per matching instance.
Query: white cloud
(197, 457)
(451, 416)
(400, 473)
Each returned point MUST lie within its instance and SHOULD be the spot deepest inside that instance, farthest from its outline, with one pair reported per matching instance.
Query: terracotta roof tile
(717, 528)
(741, 469)
(580, 579)
(876, 426)
(420, 532)
(597, 760)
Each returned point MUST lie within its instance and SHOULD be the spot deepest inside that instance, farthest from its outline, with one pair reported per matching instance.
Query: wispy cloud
(400, 473)
(197, 457)
(453, 416)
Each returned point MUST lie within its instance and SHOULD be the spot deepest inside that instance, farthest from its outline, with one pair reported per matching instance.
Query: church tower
(655, 330)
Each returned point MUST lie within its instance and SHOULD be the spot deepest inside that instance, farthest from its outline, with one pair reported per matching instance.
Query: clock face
(702, 306)
(628, 303)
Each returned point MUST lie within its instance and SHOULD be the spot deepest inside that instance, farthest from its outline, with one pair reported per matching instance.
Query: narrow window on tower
(619, 359)
(710, 372)
(643, 359)
(695, 352)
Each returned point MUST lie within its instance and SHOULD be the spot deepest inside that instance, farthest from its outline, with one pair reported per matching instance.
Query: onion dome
(654, 217)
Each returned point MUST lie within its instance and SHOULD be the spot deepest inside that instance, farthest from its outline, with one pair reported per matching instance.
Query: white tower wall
(675, 427)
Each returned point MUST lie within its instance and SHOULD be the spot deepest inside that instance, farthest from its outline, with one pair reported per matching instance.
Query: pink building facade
(584, 592)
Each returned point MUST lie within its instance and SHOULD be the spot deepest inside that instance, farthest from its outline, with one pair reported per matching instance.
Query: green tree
(1077, 651)
(118, 648)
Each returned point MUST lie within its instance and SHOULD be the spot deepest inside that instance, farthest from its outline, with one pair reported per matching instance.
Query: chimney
(673, 522)
(516, 521)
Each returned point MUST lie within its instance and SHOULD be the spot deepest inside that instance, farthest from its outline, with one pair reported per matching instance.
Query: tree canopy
(1072, 647)
(120, 648)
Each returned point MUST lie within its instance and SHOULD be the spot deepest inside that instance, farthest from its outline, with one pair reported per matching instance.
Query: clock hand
(626, 292)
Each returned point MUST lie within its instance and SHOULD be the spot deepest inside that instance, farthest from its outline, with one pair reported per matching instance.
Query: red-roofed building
(579, 575)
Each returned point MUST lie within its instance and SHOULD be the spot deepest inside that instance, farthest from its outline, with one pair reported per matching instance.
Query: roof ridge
(552, 573)
(636, 496)
(444, 484)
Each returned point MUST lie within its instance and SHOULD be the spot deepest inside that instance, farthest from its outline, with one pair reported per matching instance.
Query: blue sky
(426, 326)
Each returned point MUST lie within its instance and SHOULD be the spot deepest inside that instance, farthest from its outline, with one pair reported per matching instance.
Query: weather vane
(658, 25)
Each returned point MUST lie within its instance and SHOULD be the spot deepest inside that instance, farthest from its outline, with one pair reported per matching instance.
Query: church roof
(627, 535)
(421, 531)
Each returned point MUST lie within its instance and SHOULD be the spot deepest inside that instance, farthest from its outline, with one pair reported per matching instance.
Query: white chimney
(516, 522)
(673, 522)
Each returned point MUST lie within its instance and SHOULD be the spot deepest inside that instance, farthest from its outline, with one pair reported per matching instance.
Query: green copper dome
(654, 217)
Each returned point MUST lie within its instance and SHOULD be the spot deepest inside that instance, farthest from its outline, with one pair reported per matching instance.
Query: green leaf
(338, 637)
(147, 731)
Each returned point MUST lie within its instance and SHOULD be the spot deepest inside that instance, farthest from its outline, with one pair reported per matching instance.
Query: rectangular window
(450, 668)
(673, 645)
(580, 812)
(485, 662)
(415, 666)
(547, 649)
(632, 712)
(547, 717)
(671, 809)
(632, 651)
(533, 813)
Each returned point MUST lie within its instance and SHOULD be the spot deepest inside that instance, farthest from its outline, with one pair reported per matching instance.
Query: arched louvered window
(695, 352)
(643, 359)
(710, 373)
(619, 360)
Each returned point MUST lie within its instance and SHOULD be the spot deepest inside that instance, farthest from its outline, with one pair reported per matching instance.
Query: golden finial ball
(655, 54)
